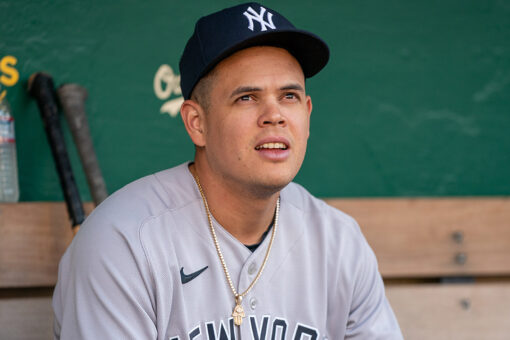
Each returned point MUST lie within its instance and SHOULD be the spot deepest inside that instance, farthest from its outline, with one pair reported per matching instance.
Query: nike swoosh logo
(185, 278)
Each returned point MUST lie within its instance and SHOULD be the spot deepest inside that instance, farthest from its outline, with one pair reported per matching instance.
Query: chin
(269, 186)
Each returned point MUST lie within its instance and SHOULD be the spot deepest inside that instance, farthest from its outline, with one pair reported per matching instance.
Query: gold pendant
(238, 312)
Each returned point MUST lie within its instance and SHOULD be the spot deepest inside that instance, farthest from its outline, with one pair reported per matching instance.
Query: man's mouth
(280, 146)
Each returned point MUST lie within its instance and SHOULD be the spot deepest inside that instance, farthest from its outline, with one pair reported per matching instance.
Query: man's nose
(272, 115)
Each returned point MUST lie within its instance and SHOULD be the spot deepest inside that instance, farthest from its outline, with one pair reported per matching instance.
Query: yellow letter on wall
(7, 68)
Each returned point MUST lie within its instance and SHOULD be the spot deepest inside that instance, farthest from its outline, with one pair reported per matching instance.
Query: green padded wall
(414, 102)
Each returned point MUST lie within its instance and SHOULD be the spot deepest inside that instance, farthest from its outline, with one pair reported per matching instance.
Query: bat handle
(40, 86)
(72, 98)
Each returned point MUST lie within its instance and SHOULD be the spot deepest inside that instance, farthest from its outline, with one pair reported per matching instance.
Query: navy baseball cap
(223, 33)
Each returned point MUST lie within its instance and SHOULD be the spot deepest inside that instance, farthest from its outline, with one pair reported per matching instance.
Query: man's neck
(244, 216)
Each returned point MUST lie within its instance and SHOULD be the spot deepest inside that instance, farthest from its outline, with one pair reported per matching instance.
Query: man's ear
(192, 116)
(309, 108)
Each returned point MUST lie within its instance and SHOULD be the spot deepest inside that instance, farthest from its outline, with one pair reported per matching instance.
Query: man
(224, 247)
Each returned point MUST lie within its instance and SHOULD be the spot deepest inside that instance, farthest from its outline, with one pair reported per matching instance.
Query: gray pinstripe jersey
(120, 278)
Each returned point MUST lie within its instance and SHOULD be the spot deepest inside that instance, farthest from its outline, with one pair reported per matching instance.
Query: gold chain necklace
(238, 312)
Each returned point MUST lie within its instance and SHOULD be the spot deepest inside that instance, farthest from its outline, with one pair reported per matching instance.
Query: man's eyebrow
(244, 89)
(296, 87)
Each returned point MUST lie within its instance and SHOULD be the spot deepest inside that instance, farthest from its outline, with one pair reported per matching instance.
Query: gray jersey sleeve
(104, 289)
(371, 316)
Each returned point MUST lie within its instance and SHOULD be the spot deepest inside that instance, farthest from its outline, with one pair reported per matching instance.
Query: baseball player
(226, 247)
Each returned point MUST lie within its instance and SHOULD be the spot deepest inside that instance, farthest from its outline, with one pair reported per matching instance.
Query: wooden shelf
(435, 237)
(412, 238)
(33, 237)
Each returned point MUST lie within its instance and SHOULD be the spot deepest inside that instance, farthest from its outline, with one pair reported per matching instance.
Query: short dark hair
(202, 91)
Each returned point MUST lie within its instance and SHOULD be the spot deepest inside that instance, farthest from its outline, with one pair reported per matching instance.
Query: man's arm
(371, 316)
(104, 290)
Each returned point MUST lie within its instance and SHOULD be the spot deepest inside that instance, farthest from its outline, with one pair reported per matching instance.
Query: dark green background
(414, 102)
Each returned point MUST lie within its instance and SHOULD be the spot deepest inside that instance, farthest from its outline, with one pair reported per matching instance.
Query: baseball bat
(72, 99)
(40, 86)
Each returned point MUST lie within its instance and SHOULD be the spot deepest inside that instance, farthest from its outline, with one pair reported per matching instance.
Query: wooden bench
(446, 264)
(422, 244)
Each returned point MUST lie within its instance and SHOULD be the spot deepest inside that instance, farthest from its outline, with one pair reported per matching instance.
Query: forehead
(259, 64)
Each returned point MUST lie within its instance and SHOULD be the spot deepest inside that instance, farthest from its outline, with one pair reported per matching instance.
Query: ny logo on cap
(252, 15)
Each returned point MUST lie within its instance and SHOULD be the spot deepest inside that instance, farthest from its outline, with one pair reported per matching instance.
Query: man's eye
(244, 98)
(290, 96)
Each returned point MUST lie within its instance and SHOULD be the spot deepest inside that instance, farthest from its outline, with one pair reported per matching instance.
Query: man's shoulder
(146, 197)
(303, 200)
(320, 219)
